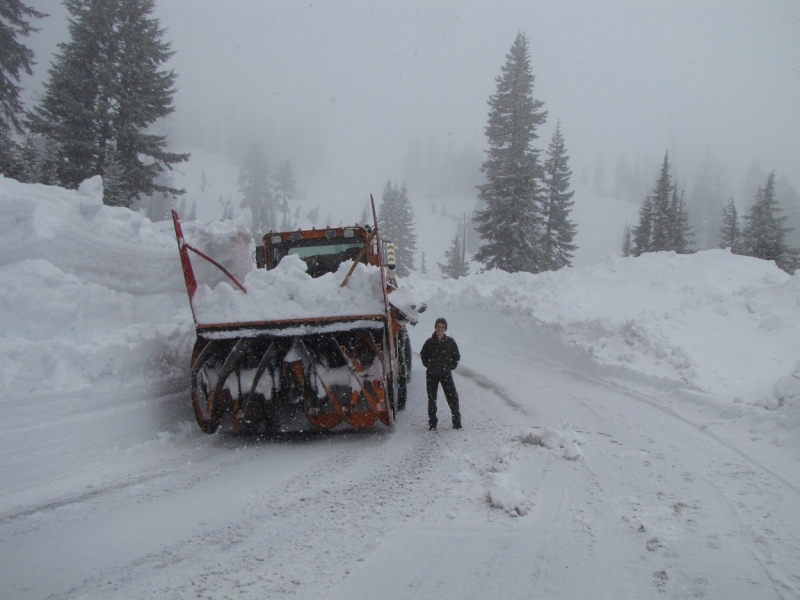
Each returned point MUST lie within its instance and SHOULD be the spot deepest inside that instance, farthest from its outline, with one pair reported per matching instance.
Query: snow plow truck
(316, 335)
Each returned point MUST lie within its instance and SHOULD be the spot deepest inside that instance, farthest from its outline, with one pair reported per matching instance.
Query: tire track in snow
(306, 535)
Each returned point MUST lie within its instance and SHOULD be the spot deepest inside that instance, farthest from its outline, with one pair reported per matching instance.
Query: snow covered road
(657, 503)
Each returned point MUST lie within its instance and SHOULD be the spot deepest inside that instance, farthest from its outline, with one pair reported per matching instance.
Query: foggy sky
(343, 87)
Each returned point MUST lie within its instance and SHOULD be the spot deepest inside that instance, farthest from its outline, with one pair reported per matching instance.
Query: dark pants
(446, 379)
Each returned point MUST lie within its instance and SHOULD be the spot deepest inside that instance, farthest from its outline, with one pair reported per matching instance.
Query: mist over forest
(357, 93)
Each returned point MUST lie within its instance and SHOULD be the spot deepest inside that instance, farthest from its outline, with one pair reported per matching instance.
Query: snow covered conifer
(559, 231)
(285, 189)
(15, 58)
(106, 87)
(510, 224)
(396, 220)
(627, 244)
(680, 232)
(455, 265)
(731, 233)
(643, 231)
(764, 235)
(257, 191)
(9, 155)
(663, 219)
(660, 237)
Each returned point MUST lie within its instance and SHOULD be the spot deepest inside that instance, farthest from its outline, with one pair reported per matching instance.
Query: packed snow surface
(632, 428)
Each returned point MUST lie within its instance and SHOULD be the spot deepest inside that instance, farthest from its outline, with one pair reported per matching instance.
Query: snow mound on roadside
(91, 294)
(672, 320)
(505, 493)
(556, 439)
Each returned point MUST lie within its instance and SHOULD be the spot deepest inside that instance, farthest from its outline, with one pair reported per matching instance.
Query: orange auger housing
(283, 375)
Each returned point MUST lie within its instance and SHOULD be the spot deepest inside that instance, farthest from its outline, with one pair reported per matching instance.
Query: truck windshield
(321, 255)
(322, 250)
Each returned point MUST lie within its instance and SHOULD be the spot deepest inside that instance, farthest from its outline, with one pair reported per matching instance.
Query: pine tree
(559, 231)
(763, 235)
(423, 269)
(106, 87)
(663, 219)
(284, 190)
(642, 232)
(455, 265)
(364, 216)
(731, 233)
(511, 222)
(15, 59)
(256, 190)
(29, 160)
(285, 184)
(680, 232)
(227, 210)
(660, 239)
(192, 216)
(313, 215)
(115, 188)
(49, 163)
(9, 155)
(396, 221)
(627, 245)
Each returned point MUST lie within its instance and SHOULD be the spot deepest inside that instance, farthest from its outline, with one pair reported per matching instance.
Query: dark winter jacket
(440, 356)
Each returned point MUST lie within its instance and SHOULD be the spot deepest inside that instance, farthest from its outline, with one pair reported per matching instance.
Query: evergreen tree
(396, 221)
(115, 188)
(627, 244)
(511, 222)
(9, 155)
(29, 161)
(256, 190)
(364, 216)
(192, 216)
(455, 264)
(313, 215)
(227, 210)
(559, 231)
(663, 219)
(763, 235)
(106, 87)
(15, 58)
(660, 239)
(49, 163)
(284, 190)
(680, 232)
(642, 232)
(731, 233)
(285, 185)
(423, 269)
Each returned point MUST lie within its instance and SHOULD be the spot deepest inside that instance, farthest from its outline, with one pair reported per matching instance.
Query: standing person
(440, 356)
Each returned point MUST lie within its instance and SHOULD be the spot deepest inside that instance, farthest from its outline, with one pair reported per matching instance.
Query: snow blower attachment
(343, 365)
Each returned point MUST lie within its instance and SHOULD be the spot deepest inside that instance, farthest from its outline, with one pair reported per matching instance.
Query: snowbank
(90, 293)
(712, 322)
(95, 294)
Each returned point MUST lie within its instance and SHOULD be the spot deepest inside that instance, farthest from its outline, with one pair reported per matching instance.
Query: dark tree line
(524, 224)
(106, 86)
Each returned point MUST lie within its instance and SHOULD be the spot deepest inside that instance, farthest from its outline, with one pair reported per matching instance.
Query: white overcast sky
(346, 85)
